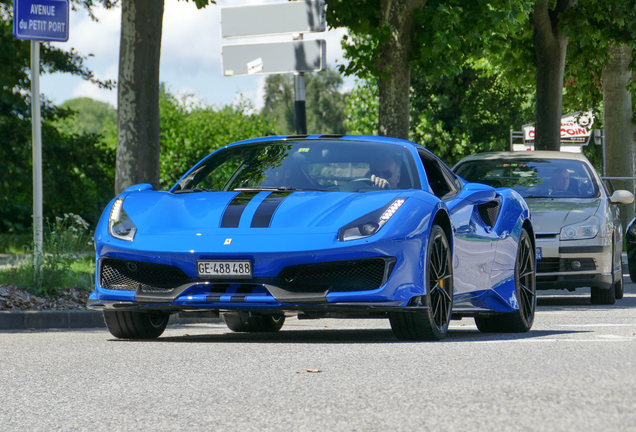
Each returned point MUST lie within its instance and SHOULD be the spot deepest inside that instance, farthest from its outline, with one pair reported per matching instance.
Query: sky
(190, 54)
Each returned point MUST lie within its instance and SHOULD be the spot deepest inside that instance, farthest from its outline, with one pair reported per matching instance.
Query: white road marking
(618, 339)
(597, 325)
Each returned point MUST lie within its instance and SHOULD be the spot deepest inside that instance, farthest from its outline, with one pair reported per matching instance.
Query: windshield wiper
(192, 190)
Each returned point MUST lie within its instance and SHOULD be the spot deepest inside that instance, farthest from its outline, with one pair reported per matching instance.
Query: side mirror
(477, 193)
(144, 187)
(622, 197)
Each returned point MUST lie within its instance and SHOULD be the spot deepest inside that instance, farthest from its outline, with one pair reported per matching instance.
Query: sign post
(298, 57)
(39, 20)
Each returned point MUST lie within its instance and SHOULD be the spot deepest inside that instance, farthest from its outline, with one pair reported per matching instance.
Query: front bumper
(270, 287)
(557, 268)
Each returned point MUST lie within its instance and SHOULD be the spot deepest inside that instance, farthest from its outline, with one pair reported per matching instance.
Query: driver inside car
(560, 181)
(385, 173)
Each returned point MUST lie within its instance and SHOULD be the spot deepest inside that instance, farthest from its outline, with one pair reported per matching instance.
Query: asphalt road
(574, 371)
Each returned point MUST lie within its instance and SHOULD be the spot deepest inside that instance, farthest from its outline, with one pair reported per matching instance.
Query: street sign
(277, 18)
(575, 129)
(275, 58)
(41, 20)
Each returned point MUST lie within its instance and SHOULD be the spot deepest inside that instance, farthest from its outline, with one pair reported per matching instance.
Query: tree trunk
(138, 131)
(395, 69)
(617, 121)
(550, 48)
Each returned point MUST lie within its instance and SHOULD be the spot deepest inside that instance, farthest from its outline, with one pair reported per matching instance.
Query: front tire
(631, 265)
(243, 322)
(602, 296)
(521, 320)
(431, 324)
(136, 325)
(618, 289)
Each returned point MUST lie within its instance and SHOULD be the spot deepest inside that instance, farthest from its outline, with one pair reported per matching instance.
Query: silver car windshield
(344, 166)
(533, 178)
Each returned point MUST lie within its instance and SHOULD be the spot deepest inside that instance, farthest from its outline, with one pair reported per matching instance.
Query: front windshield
(533, 178)
(345, 166)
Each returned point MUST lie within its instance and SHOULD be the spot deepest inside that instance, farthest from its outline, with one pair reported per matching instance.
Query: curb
(72, 319)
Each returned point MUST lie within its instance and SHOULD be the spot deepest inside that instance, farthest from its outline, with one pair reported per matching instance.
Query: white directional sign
(274, 58)
(276, 18)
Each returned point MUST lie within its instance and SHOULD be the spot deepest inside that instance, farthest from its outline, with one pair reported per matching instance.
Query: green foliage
(75, 177)
(63, 240)
(470, 112)
(452, 116)
(591, 27)
(89, 116)
(362, 108)
(11, 243)
(191, 130)
(325, 104)
(447, 32)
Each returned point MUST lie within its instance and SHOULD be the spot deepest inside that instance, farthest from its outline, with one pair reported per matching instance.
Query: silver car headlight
(119, 224)
(371, 223)
(582, 230)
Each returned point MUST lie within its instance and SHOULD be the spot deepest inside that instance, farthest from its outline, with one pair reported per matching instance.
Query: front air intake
(336, 276)
(128, 275)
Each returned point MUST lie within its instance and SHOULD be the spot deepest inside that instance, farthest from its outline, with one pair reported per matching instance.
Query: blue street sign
(41, 20)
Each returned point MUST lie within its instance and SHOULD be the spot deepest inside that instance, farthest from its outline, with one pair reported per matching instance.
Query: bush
(63, 260)
(191, 130)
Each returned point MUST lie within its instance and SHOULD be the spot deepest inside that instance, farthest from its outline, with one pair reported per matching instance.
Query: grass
(65, 260)
(15, 243)
(80, 274)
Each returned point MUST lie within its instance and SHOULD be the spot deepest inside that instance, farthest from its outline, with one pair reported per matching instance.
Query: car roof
(536, 154)
(334, 137)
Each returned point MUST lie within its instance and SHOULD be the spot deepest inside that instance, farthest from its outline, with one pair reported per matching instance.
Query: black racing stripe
(265, 211)
(234, 210)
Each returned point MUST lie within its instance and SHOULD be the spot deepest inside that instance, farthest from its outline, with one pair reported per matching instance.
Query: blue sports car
(318, 226)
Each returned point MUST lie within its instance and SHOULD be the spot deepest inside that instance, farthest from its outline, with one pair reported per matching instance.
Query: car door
(475, 243)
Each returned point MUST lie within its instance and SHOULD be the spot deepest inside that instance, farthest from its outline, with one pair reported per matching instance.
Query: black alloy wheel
(431, 324)
(521, 320)
(136, 325)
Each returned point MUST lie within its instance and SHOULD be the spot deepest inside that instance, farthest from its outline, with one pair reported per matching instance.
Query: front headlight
(582, 230)
(119, 224)
(371, 223)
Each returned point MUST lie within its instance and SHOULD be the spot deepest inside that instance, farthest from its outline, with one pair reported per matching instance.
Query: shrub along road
(575, 370)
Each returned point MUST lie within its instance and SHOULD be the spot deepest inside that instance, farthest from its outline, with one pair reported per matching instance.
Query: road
(575, 370)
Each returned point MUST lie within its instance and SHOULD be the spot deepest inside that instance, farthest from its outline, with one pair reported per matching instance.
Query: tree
(439, 36)
(75, 179)
(325, 102)
(600, 76)
(90, 116)
(550, 48)
(138, 135)
(452, 116)
(191, 130)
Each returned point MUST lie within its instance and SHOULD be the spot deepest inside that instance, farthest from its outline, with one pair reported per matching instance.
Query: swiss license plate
(224, 269)
(538, 253)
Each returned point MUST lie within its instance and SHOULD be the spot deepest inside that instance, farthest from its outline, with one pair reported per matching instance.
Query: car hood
(168, 213)
(549, 215)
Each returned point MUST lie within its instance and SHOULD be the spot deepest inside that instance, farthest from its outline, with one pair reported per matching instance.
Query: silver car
(578, 232)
